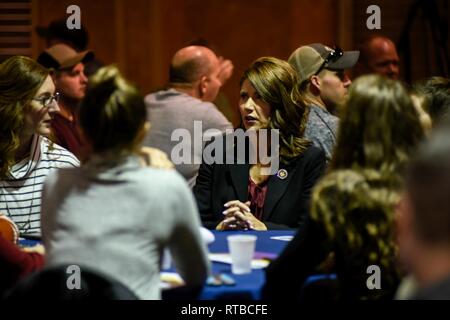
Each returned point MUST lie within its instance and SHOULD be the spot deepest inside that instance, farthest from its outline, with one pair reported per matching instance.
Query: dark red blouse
(67, 135)
(257, 196)
(16, 264)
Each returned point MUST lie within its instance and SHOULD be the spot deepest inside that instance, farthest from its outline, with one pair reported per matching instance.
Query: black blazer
(287, 200)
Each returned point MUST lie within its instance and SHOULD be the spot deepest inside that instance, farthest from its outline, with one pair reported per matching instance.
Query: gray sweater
(119, 219)
(171, 110)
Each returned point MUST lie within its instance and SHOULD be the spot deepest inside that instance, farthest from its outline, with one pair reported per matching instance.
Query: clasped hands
(239, 217)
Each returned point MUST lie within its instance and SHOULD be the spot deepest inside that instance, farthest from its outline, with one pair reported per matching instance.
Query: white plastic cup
(242, 249)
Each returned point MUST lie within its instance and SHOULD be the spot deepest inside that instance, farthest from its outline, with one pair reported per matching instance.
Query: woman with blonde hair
(114, 214)
(352, 207)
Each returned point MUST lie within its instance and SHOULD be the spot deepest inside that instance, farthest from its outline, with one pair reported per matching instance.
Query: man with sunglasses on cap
(324, 85)
(71, 84)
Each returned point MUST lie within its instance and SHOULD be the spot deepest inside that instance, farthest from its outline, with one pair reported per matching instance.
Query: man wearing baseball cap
(71, 83)
(324, 84)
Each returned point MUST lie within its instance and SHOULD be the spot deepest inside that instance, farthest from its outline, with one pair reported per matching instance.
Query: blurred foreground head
(380, 127)
(113, 113)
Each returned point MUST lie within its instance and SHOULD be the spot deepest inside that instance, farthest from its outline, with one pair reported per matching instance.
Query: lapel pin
(282, 174)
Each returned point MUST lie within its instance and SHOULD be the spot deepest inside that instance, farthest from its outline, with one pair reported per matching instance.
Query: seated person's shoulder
(313, 153)
(213, 115)
(57, 155)
(63, 178)
(169, 97)
(314, 150)
(320, 119)
(161, 179)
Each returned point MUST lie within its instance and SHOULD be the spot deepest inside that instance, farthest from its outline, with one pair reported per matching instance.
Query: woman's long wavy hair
(20, 79)
(380, 130)
(277, 84)
(357, 213)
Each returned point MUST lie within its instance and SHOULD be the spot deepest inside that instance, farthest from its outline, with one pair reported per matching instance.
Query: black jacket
(287, 200)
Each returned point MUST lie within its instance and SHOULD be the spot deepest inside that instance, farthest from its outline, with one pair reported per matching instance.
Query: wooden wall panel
(15, 28)
(423, 51)
(142, 35)
(137, 42)
(98, 16)
(245, 30)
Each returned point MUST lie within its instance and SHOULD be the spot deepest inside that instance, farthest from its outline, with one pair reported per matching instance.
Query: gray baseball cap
(308, 60)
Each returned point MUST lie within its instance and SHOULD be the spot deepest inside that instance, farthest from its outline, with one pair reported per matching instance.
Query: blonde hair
(112, 113)
(380, 128)
(379, 132)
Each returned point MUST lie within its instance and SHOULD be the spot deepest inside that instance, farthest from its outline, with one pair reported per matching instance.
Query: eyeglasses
(332, 57)
(47, 101)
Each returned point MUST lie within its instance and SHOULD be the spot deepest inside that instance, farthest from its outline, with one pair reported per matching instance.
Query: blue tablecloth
(247, 286)
(28, 242)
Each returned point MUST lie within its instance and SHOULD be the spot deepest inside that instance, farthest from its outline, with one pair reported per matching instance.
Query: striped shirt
(20, 194)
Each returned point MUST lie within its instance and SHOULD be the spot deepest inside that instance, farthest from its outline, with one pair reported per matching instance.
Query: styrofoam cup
(242, 249)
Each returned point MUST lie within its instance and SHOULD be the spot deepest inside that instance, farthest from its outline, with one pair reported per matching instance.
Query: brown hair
(277, 83)
(380, 128)
(20, 79)
(379, 132)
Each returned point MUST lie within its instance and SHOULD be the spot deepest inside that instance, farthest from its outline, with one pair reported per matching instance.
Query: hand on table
(239, 217)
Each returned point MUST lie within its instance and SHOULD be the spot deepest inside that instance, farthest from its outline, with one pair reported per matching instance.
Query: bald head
(194, 70)
(190, 63)
(379, 55)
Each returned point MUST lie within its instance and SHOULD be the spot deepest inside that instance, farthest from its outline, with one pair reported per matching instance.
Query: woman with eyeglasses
(27, 103)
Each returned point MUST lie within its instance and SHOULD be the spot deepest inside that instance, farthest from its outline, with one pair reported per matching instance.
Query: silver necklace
(25, 226)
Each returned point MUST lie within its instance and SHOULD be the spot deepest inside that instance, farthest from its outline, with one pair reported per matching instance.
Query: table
(247, 286)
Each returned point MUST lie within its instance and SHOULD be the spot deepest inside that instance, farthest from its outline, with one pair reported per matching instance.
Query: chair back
(61, 283)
